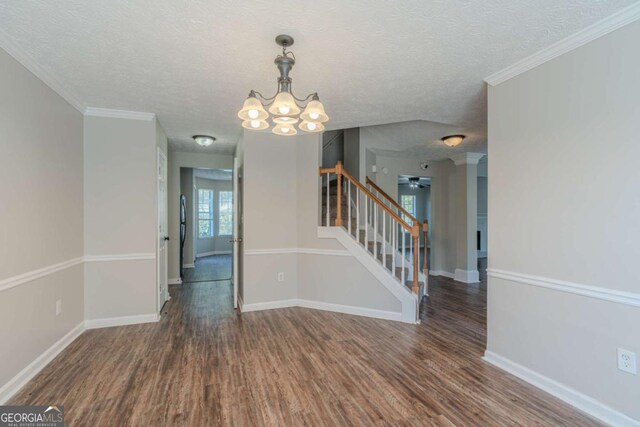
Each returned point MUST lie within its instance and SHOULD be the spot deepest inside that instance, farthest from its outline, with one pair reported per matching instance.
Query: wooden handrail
(390, 199)
(378, 202)
(327, 170)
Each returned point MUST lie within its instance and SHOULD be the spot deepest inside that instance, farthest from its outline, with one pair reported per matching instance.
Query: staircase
(378, 224)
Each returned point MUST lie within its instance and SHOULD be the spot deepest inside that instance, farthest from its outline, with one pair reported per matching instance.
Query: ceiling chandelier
(286, 108)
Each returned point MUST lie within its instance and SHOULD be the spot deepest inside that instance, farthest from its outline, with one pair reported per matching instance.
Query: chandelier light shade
(453, 140)
(285, 120)
(284, 104)
(252, 109)
(255, 124)
(311, 126)
(314, 112)
(203, 140)
(285, 108)
(284, 130)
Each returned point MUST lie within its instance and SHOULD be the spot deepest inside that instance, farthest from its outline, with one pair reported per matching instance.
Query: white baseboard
(188, 266)
(325, 306)
(348, 309)
(121, 321)
(24, 376)
(269, 305)
(466, 276)
(176, 281)
(203, 254)
(441, 273)
(572, 397)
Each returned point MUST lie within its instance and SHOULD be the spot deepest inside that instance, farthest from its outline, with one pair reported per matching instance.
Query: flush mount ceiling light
(203, 140)
(453, 140)
(287, 110)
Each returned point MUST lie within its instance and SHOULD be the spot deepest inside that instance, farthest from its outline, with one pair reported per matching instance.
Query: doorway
(207, 242)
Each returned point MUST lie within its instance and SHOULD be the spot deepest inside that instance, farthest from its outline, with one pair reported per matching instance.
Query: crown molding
(467, 158)
(118, 114)
(28, 62)
(605, 26)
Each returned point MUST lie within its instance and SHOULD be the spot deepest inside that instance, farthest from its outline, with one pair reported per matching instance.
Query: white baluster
(403, 257)
(394, 244)
(384, 240)
(375, 230)
(358, 214)
(328, 200)
(349, 204)
(366, 222)
(411, 253)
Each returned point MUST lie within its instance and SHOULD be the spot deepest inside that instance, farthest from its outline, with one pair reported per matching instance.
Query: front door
(163, 236)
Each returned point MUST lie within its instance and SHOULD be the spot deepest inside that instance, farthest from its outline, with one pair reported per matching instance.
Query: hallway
(202, 364)
(209, 268)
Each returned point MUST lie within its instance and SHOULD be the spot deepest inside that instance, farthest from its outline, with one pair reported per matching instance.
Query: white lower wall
(342, 280)
(120, 288)
(261, 277)
(530, 326)
(29, 322)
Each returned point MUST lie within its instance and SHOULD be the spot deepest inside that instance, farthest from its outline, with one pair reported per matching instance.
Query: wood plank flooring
(202, 364)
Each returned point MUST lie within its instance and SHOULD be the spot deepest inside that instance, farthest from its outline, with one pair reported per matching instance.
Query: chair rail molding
(37, 274)
(611, 295)
(30, 276)
(309, 251)
(120, 257)
(603, 27)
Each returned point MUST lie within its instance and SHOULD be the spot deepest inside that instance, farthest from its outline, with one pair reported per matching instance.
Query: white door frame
(234, 277)
(162, 259)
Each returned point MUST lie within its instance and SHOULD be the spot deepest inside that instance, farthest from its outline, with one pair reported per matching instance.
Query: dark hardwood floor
(202, 364)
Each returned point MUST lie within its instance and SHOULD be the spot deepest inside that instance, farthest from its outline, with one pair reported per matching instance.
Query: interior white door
(163, 235)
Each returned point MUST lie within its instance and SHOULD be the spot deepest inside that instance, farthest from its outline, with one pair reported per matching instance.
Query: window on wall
(225, 213)
(205, 213)
(408, 203)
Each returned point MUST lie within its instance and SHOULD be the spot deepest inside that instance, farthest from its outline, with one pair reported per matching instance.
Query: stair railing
(379, 216)
(381, 194)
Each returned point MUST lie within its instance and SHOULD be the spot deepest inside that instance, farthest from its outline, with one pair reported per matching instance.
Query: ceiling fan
(414, 182)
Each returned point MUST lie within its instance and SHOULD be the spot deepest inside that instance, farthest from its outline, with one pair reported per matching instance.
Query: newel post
(339, 202)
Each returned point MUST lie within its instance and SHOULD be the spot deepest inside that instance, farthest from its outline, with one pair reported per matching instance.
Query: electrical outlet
(281, 277)
(58, 307)
(627, 361)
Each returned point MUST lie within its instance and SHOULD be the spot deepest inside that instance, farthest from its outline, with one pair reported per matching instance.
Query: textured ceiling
(421, 140)
(193, 63)
(214, 174)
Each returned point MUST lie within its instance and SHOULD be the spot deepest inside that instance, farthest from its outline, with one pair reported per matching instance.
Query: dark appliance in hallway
(183, 231)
